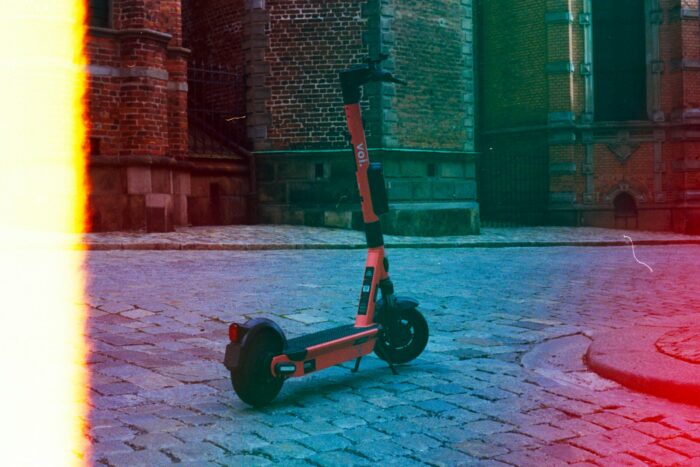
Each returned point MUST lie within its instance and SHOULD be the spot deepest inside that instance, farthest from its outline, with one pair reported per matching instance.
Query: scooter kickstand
(357, 365)
(393, 368)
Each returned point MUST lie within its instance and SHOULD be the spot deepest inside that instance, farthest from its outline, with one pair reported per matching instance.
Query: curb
(154, 246)
(630, 358)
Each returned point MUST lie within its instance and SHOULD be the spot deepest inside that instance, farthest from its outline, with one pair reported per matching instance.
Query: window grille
(99, 13)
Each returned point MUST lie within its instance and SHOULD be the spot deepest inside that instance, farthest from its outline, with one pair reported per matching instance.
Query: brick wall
(512, 60)
(432, 49)
(214, 30)
(309, 42)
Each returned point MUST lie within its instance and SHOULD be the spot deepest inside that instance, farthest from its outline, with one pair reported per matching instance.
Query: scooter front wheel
(405, 343)
(253, 381)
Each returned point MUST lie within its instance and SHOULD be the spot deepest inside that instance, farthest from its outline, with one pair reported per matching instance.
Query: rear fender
(236, 351)
(256, 326)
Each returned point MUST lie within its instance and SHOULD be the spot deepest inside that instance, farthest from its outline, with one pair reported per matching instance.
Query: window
(619, 62)
(99, 13)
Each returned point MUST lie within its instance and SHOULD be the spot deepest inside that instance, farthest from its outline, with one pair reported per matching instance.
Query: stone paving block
(446, 457)
(479, 449)
(247, 460)
(194, 452)
(155, 441)
(182, 393)
(658, 454)
(629, 436)
(624, 460)
(108, 448)
(387, 401)
(323, 443)
(417, 442)
(316, 428)
(348, 422)
(286, 450)
(112, 433)
(515, 441)
(136, 313)
(578, 426)
(397, 427)
(435, 406)
(115, 307)
(152, 424)
(599, 444)
(487, 427)
(546, 432)
(529, 459)
(145, 458)
(338, 458)
(140, 377)
(654, 429)
(274, 434)
(568, 453)
(362, 433)
(379, 451)
(682, 445)
(116, 389)
(607, 420)
(236, 443)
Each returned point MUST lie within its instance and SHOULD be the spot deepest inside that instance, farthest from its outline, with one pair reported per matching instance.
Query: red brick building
(143, 174)
(584, 112)
(589, 112)
(150, 169)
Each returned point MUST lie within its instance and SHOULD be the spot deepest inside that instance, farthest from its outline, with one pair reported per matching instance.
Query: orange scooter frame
(260, 357)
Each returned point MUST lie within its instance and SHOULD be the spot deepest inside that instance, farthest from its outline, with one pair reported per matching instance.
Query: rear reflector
(233, 332)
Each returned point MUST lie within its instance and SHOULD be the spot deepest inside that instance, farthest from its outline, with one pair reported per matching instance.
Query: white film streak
(635, 255)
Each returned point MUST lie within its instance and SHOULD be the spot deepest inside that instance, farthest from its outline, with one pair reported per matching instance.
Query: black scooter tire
(417, 327)
(252, 380)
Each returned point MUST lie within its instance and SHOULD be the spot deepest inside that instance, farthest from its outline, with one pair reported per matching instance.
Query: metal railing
(217, 120)
(216, 107)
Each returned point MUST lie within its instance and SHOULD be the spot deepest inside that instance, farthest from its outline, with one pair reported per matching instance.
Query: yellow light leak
(44, 381)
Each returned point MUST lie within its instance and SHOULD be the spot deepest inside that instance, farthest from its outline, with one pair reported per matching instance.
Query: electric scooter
(259, 356)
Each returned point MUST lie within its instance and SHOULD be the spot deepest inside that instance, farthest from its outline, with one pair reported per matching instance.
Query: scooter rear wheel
(253, 381)
(408, 341)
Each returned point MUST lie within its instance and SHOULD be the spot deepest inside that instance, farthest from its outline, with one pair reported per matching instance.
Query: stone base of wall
(131, 194)
(431, 192)
(681, 219)
(412, 219)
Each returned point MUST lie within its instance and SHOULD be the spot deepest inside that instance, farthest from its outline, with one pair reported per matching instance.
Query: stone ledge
(413, 219)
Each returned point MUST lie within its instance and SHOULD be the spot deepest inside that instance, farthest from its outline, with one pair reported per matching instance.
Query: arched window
(619, 60)
(99, 13)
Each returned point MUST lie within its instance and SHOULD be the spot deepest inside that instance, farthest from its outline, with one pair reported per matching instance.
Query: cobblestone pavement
(501, 381)
(295, 237)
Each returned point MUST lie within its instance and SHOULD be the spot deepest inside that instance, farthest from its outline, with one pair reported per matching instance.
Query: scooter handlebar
(392, 79)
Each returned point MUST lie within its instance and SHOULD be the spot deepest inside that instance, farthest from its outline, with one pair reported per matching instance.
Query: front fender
(402, 303)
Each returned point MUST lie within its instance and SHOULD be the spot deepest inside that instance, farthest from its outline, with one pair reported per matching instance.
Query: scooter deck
(301, 343)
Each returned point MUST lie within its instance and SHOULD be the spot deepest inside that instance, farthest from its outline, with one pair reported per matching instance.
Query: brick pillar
(255, 46)
(564, 103)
